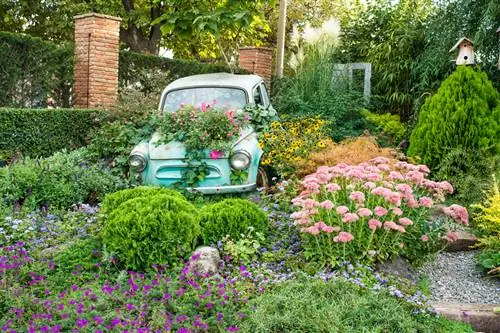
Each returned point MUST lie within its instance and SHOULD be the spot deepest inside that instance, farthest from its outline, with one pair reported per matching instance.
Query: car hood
(176, 150)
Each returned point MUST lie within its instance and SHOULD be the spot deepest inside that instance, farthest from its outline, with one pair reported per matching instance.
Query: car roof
(246, 82)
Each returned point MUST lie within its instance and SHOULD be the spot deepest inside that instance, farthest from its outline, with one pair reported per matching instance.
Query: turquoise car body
(164, 163)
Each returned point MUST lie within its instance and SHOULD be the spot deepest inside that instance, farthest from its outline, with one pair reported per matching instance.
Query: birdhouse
(465, 51)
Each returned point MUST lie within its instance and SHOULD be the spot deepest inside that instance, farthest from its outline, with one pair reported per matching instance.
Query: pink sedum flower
(370, 185)
(424, 238)
(395, 175)
(327, 204)
(332, 187)
(404, 221)
(380, 211)
(446, 186)
(343, 237)
(374, 224)
(389, 225)
(364, 212)
(426, 202)
(397, 211)
(350, 217)
(451, 236)
(457, 213)
(329, 229)
(357, 196)
(341, 210)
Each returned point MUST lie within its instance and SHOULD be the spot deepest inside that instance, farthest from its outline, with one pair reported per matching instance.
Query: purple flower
(81, 322)
(232, 329)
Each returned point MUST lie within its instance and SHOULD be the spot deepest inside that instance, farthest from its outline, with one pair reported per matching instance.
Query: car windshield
(226, 98)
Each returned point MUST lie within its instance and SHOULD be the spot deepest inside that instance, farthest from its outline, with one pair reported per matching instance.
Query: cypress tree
(465, 112)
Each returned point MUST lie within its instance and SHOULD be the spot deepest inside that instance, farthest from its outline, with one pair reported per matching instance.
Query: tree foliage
(465, 113)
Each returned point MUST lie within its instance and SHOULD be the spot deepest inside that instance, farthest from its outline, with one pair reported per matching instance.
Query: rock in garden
(206, 260)
(400, 267)
(465, 240)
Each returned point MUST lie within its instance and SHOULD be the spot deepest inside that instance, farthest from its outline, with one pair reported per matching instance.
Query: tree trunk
(137, 39)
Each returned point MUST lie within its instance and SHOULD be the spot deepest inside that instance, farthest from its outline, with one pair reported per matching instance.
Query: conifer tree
(465, 112)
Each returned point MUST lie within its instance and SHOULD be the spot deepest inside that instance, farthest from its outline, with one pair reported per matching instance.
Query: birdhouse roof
(460, 42)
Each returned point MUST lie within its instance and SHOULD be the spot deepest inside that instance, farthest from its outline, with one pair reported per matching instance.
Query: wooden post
(280, 54)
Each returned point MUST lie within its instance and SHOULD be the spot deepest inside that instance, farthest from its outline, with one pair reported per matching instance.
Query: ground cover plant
(354, 310)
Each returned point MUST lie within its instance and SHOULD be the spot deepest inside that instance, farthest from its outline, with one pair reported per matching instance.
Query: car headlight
(137, 162)
(240, 160)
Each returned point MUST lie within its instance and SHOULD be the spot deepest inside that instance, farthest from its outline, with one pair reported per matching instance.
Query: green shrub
(488, 223)
(59, 181)
(131, 122)
(153, 73)
(42, 132)
(387, 125)
(469, 171)
(231, 217)
(161, 229)
(319, 306)
(114, 200)
(465, 112)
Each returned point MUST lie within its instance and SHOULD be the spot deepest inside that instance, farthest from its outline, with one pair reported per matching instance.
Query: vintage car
(163, 164)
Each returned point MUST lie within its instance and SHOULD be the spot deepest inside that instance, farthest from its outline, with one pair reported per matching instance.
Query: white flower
(310, 34)
(295, 38)
(331, 28)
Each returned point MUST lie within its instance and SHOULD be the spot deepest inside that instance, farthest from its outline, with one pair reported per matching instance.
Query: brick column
(258, 60)
(97, 43)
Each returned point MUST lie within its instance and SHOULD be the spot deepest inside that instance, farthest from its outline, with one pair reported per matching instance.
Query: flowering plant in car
(372, 211)
(206, 138)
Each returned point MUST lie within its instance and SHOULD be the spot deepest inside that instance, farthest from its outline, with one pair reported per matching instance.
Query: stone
(401, 267)
(480, 316)
(207, 262)
(464, 242)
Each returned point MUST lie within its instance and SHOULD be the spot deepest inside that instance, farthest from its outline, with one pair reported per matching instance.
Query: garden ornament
(165, 164)
(466, 51)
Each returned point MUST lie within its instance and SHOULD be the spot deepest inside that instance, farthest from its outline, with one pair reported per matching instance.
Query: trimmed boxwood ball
(231, 217)
(114, 200)
(160, 229)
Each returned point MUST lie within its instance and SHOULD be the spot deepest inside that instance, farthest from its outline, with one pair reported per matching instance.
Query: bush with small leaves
(231, 217)
(114, 200)
(159, 229)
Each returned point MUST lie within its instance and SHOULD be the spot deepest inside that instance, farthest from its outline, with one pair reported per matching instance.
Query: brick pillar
(258, 60)
(97, 42)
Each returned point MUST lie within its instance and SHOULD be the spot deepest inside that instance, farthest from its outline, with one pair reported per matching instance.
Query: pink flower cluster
(380, 194)
(457, 213)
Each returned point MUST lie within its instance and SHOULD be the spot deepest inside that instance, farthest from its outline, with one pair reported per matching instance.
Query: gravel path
(455, 278)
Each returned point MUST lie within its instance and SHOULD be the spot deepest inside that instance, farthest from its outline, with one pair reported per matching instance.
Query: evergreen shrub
(465, 113)
(231, 217)
(114, 200)
(143, 231)
(42, 132)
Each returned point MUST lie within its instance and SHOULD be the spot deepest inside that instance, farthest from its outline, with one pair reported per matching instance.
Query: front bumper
(223, 189)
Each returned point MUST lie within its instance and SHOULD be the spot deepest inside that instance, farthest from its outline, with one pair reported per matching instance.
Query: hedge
(150, 73)
(42, 132)
(32, 70)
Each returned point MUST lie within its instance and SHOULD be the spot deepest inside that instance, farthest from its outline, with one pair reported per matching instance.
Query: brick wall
(257, 60)
(97, 42)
